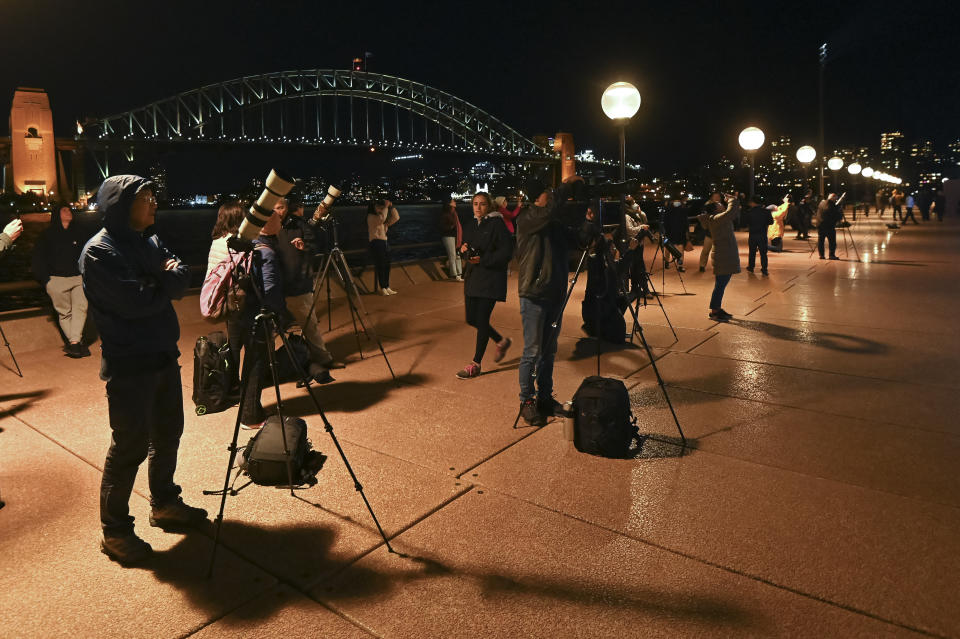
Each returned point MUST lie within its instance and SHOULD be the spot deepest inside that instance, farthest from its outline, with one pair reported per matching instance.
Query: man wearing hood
(542, 272)
(129, 279)
(55, 265)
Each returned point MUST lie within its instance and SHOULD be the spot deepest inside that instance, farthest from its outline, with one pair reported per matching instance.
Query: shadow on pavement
(833, 341)
(28, 399)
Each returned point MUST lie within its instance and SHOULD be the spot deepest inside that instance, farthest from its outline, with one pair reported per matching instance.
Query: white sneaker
(390, 291)
(458, 278)
(385, 292)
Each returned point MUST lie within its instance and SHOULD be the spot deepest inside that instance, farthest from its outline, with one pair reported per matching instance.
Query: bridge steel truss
(319, 107)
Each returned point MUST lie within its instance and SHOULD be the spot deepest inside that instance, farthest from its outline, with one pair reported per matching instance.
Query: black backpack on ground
(603, 423)
(285, 368)
(265, 462)
(216, 387)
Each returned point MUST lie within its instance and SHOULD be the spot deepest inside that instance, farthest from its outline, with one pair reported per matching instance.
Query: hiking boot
(834, 257)
(126, 549)
(531, 414)
(764, 271)
(553, 408)
(725, 315)
(502, 349)
(176, 514)
(750, 268)
(470, 370)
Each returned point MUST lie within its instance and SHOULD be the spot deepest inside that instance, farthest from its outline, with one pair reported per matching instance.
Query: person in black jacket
(828, 214)
(55, 266)
(676, 225)
(758, 219)
(542, 271)
(296, 245)
(129, 279)
(487, 248)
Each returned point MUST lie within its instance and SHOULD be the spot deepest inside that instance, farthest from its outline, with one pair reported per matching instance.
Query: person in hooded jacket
(487, 248)
(55, 266)
(130, 280)
(542, 269)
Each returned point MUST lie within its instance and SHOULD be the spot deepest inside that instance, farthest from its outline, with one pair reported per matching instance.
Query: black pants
(255, 347)
(829, 234)
(479, 310)
(758, 242)
(381, 262)
(909, 214)
(145, 401)
(897, 213)
(638, 270)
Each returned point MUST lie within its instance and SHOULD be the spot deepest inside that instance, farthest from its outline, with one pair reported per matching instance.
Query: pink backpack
(223, 288)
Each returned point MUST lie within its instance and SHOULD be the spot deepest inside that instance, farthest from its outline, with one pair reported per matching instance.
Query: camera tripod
(637, 330)
(640, 297)
(337, 262)
(6, 343)
(266, 322)
(664, 263)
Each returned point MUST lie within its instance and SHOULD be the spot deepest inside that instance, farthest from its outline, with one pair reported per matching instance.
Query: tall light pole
(805, 155)
(823, 64)
(835, 164)
(751, 139)
(854, 170)
(620, 102)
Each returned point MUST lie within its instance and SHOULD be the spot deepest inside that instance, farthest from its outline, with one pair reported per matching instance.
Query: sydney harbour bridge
(310, 108)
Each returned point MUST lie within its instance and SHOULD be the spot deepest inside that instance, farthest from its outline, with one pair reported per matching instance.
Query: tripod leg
(12, 356)
(269, 326)
(359, 305)
(329, 307)
(244, 379)
(663, 387)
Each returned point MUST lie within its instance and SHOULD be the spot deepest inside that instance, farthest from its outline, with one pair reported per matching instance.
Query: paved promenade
(818, 496)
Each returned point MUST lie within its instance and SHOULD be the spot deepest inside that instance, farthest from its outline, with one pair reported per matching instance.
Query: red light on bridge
(358, 64)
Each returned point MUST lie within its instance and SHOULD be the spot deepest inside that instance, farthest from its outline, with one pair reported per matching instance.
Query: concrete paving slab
(491, 566)
(903, 403)
(828, 543)
(282, 612)
(847, 450)
(55, 581)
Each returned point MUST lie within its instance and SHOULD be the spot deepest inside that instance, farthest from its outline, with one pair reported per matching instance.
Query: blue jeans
(720, 283)
(539, 347)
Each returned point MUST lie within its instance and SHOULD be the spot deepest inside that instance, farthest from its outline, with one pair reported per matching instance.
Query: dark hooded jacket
(127, 288)
(492, 239)
(297, 265)
(542, 246)
(57, 251)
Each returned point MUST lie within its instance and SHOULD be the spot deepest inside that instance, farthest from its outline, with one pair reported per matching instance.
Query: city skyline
(704, 70)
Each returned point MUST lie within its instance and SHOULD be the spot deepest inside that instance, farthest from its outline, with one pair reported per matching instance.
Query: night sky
(704, 69)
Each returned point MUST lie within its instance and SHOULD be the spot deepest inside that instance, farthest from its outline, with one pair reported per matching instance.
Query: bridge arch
(317, 107)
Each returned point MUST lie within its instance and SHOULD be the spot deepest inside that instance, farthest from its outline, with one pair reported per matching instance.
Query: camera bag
(265, 462)
(216, 387)
(603, 423)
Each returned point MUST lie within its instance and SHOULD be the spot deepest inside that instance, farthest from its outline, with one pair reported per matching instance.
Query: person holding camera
(55, 266)
(828, 214)
(726, 253)
(758, 220)
(710, 207)
(542, 272)
(296, 245)
(487, 248)
(381, 215)
(637, 230)
(676, 225)
(130, 280)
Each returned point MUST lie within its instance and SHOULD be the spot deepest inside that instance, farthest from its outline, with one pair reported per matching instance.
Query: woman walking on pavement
(487, 248)
(451, 236)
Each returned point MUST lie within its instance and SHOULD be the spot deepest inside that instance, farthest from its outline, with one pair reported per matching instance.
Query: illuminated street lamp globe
(867, 172)
(806, 154)
(620, 101)
(835, 163)
(751, 138)
(853, 169)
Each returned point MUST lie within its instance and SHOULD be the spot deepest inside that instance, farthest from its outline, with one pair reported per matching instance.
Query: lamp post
(805, 155)
(620, 102)
(854, 169)
(751, 139)
(835, 164)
